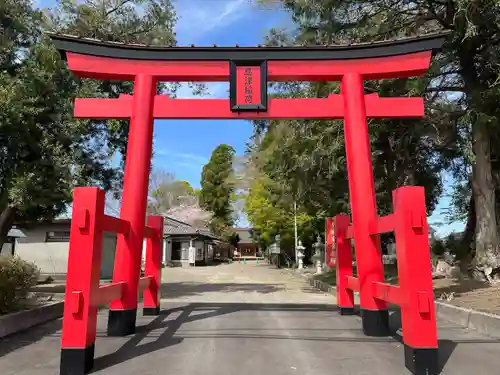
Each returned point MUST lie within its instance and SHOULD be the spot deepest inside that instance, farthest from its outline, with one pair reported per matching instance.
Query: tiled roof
(403, 39)
(173, 226)
(95, 47)
(245, 235)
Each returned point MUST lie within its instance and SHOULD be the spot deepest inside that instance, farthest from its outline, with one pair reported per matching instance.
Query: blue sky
(182, 146)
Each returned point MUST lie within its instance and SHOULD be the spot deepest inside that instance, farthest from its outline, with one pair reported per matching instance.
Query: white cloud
(182, 158)
(199, 17)
(193, 165)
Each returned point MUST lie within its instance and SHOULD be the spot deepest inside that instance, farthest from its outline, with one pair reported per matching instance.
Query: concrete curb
(22, 320)
(488, 324)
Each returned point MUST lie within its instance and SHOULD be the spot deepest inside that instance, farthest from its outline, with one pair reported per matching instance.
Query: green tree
(233, 239)
(165, 193)
(45, 152)
(271, 213)
(128, 21)
(461, 89)
(217, 188)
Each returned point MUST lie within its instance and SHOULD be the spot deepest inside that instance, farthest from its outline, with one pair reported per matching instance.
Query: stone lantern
(300, 255)
(318, 250)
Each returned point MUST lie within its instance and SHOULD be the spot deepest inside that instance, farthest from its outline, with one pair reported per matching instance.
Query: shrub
(438, 247)
(16, 278)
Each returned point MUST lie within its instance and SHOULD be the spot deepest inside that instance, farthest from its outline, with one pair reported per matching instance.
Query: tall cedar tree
(217, 188)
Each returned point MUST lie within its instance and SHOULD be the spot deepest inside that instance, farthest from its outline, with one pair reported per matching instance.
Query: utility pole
(295, 227)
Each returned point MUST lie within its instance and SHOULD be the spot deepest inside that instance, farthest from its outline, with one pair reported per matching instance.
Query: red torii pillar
(123, 312)
(374, 313)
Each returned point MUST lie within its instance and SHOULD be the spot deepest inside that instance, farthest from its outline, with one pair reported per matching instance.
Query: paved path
(246, 320)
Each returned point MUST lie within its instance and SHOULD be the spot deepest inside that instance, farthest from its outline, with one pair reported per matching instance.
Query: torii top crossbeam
(248, 69)
(97, 59)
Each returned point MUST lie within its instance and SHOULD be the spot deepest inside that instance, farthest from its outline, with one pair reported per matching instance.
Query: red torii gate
(248, 69)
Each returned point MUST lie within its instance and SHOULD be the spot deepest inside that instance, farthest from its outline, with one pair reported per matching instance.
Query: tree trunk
(483, 190)
(465, 251)
(6, 221)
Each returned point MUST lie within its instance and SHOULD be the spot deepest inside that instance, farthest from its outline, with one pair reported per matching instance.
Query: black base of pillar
(150, 311)
(77, 361)
(422, 361)
(347, 311)
(375, 323)
(121, 322)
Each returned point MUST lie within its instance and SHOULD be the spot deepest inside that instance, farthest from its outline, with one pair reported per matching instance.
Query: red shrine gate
(248, 69)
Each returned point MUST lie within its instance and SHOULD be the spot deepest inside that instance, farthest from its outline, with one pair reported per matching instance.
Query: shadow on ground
(34, 334)
(163, 329)
(169, 321)
(185, 289)
(166, 329)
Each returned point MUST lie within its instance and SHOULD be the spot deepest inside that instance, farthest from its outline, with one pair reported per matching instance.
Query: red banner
(331, 253)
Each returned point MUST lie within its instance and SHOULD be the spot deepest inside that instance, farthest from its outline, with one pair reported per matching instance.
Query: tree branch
(118, 6)
(445, 89)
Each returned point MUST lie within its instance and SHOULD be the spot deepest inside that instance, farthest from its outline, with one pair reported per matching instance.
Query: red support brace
(82, 283)
(107, 293)
(352, 283)
(345, 295)
(415, 280)
(384, 224)
(113, 224)
(387, 292)
(149, 232)
(153, 266)
(349, 233)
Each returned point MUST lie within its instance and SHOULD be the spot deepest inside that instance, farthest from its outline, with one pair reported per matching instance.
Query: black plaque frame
(262, 107)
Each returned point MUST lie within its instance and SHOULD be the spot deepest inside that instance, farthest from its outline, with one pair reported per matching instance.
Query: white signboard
(192, 255)
(275, 249)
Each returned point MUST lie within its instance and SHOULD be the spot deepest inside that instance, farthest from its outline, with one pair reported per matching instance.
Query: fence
(84, 294)
(414, 294)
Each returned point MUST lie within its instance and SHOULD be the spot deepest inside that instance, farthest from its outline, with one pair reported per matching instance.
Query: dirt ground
(465, 293)
(469, 294)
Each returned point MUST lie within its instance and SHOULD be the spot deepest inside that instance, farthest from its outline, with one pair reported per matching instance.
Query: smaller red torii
(414, 294)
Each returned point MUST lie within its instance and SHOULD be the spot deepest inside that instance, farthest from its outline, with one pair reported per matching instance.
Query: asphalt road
(246, 320)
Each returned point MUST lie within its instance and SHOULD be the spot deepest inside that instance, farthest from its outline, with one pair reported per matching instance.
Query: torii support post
(330, 254)
(414, 294)
(418, 314)
(84, 294)
(82, 283)
(151, 304)
(345, 295)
